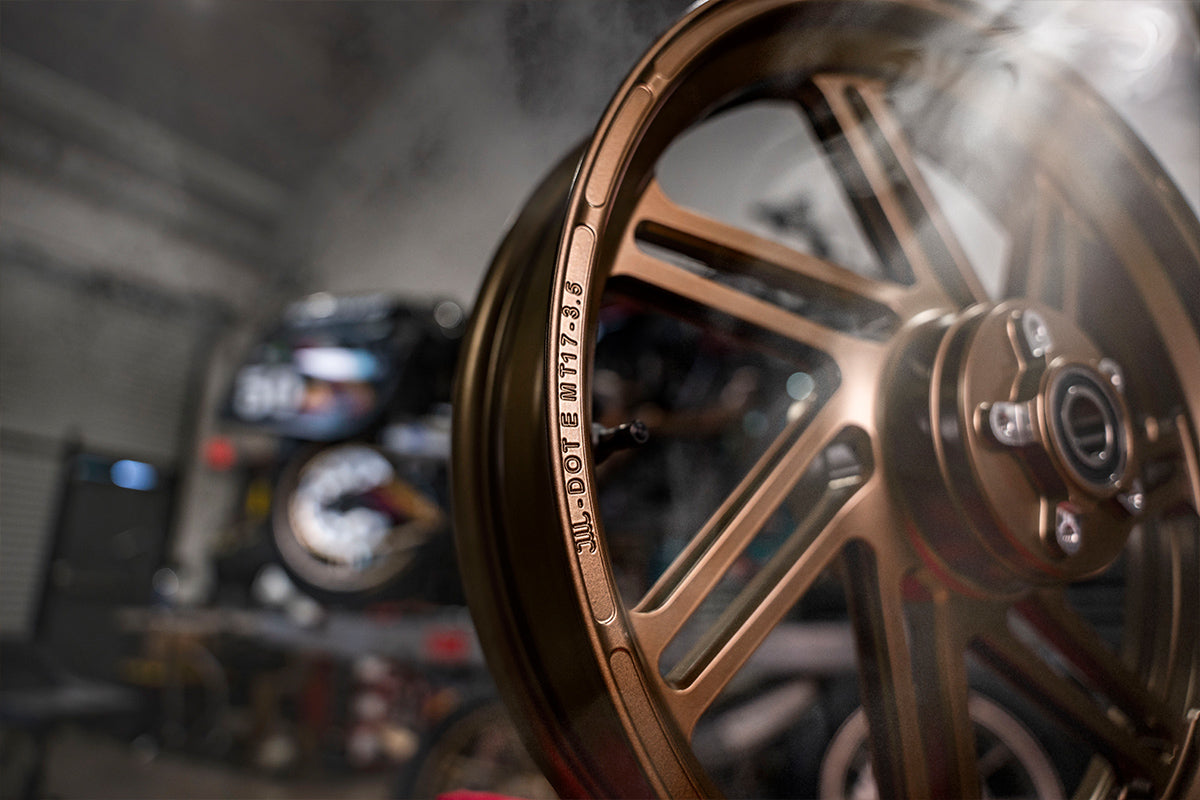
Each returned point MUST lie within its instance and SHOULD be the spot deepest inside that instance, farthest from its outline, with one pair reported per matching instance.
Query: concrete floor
(86, 766)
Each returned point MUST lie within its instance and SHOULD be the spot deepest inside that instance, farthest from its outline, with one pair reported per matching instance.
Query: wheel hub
(1026, 422)
(1088, 427)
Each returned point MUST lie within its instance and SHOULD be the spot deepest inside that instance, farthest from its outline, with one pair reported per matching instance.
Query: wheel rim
(346, 522)
(1011, 758)
(969, 553)
(477, 750)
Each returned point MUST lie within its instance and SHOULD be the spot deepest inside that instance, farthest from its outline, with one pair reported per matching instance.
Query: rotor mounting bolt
(1112, 370)
(1134, 500)
(1068, 531)
(1036, 334)
(1011, 423)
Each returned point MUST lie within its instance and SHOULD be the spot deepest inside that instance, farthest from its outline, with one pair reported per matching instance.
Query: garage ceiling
(274, 86)
(270, 86)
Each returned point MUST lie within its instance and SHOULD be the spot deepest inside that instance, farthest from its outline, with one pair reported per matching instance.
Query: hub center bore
(1032, 444)
(1088, 429)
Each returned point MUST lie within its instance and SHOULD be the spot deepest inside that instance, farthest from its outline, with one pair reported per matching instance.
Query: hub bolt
(1068, 531)
(1036, 334)
(1135, 499)
(1112, 370)
(1011, 423)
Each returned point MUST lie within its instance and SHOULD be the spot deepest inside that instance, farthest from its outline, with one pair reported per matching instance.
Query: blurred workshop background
(233, 237)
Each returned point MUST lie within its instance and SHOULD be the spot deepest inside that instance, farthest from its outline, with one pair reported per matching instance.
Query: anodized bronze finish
(1004, 496)
(944, 537)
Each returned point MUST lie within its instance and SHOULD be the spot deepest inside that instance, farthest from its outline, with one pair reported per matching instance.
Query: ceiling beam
(77, 114)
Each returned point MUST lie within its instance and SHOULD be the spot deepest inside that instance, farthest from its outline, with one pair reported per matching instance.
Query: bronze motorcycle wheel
(998, 439)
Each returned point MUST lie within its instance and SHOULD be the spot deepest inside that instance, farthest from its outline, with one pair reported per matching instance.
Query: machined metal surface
(955, 546)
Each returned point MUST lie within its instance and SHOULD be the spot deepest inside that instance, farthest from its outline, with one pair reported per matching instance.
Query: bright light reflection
(800, 385)
(136, 475)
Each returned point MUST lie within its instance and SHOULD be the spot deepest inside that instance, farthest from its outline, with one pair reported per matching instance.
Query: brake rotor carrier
(1034, 445)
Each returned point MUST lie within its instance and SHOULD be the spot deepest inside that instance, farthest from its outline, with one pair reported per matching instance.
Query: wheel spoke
(1171, 466)
(661, 222)
(876, 163)
(1164, 583)
(913, 677)
(1066, 699)
(1047, 258)
(1190, 460)
(939, 657)
(695, 298)
(731, 640)
(1086, 653)
(696, 572)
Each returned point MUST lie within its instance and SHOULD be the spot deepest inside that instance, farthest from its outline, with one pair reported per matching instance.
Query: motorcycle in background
(357, 390)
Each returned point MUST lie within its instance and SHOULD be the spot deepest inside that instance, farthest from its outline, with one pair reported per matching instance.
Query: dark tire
(475, 748)
(368, 533)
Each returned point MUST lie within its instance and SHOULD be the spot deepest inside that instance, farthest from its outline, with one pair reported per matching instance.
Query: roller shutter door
(91, 359)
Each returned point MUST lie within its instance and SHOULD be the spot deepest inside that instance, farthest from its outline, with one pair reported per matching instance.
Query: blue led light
(135, 475)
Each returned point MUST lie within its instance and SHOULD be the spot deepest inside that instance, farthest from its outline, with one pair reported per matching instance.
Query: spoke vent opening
(763, 565)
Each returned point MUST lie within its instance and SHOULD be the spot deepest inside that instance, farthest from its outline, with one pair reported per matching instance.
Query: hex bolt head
(1036, 334)
(1068, 530)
